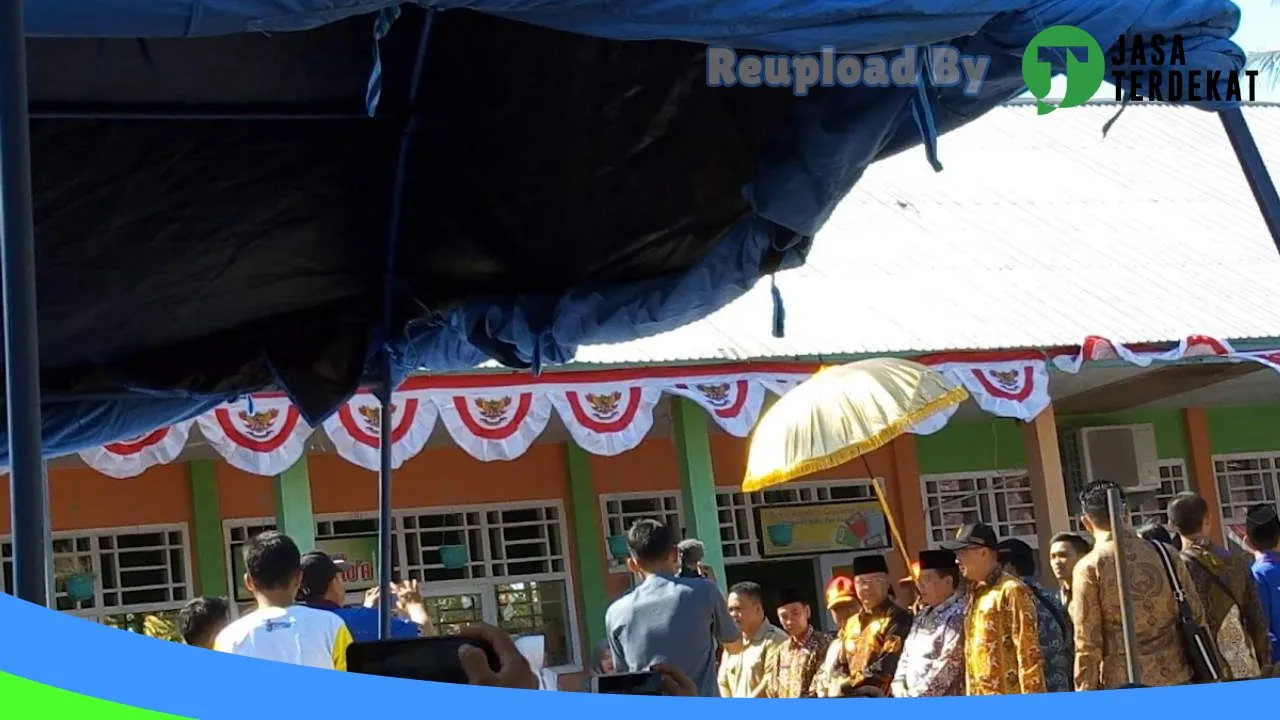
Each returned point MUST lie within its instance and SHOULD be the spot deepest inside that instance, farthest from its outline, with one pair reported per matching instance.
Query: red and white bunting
(262, 435)
(356, 429)
(1270, 358)
(607, 419)
(1095, 348)
(1011, 388)
(781, 383)
(606, 413)
(734, 402)
(133, 456)
(494, 424)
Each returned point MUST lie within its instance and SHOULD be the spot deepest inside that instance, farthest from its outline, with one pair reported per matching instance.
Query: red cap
(839, 591)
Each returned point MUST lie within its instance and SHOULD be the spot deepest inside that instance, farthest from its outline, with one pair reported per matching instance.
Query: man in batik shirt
(932, 662)
(797, 661)
(842, 604)
(1002, 637)
(1057, 644)
(1095, 603)
(873, 637)
(1224, 581)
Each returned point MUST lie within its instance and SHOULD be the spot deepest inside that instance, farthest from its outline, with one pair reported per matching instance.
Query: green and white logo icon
(1084, 74)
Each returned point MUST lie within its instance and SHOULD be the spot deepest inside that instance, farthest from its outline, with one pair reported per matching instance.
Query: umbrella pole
(888, 515)
(28, 490)
(385, 384)
(1114, 505)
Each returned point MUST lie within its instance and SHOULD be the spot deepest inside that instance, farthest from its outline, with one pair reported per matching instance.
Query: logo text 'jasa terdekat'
(1156, 70)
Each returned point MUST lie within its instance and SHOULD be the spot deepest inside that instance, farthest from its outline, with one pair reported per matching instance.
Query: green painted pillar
(588, 535)
(206, 514)
(698, 481)
(293, 505)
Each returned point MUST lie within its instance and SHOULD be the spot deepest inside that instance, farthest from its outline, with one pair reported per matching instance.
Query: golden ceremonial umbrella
(842, 413)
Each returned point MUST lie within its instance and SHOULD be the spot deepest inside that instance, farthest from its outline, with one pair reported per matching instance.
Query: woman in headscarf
(601, 664)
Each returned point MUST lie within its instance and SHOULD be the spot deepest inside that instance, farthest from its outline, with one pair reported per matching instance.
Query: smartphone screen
(640, 683)
(434, 659)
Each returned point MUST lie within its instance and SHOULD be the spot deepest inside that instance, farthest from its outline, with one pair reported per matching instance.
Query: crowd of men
(980, 624)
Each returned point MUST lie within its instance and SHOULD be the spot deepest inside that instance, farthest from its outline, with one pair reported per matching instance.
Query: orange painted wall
(895, 463)
(81, 499)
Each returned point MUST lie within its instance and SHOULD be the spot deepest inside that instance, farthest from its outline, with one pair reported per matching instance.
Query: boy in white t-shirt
(280, 630)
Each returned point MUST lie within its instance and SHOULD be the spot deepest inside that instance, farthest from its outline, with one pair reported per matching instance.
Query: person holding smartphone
(668, 619)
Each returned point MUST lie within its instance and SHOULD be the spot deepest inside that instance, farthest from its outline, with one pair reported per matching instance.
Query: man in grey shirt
(668, 619)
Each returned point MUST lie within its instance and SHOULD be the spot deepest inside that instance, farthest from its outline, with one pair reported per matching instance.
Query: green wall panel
(972, 446)
(1244, 429)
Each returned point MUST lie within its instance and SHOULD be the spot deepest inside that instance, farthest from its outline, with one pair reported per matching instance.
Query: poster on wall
(360, 554)
(819, 528)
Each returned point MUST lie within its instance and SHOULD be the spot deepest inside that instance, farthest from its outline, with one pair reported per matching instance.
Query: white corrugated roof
(1037, 233)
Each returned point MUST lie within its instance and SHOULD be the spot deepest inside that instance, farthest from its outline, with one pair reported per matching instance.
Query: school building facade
(510, 491)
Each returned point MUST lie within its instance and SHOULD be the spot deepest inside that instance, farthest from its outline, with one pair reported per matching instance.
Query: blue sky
(1259, 31)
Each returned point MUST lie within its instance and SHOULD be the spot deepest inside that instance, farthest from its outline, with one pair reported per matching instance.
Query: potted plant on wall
(76, 579)
(618, 548)
(454, 557)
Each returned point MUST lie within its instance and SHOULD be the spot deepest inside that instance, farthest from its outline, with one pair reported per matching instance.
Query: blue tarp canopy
(573, 180)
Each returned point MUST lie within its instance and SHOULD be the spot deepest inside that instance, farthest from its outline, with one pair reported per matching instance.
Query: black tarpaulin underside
(218, 256)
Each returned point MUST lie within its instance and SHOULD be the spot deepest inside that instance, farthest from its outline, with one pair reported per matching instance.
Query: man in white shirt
(279, 629)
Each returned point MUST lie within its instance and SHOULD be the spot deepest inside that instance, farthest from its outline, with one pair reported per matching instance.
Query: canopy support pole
(1115, 510)
(385, 386)
(28, 492)
(1255, 170)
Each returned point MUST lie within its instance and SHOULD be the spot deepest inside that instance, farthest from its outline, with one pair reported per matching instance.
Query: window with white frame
(328, 527)
(999, 498)
(1154, 507)
(511, 569)
(618, 511)
(135, 572)
(1246, 479)
(737, 510)
(514, 572)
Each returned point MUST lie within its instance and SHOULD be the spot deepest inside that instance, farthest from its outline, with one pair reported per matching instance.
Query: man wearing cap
(841, 604)
(873, 637)
(1002, 642)
(932, 662)
(1262, 530)
(323, 588)
(1056, 646)
(797, 660)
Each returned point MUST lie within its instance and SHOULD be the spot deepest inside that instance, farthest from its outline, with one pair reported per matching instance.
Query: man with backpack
(1054, 627)
(1223, 579)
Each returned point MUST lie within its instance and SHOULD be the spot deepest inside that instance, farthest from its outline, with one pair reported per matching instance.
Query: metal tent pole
(384, 384)
(1255, 170)
(29, 495)
(1115, 509)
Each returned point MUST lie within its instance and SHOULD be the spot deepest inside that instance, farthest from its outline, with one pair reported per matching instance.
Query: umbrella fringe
(954, 396)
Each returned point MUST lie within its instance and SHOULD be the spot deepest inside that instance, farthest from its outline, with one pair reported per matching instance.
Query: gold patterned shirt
(873, 642)
(1095, 613)
(1002, 639)
(796, 664)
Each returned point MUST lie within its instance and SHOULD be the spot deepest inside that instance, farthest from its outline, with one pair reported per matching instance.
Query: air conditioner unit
(1124, 454)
